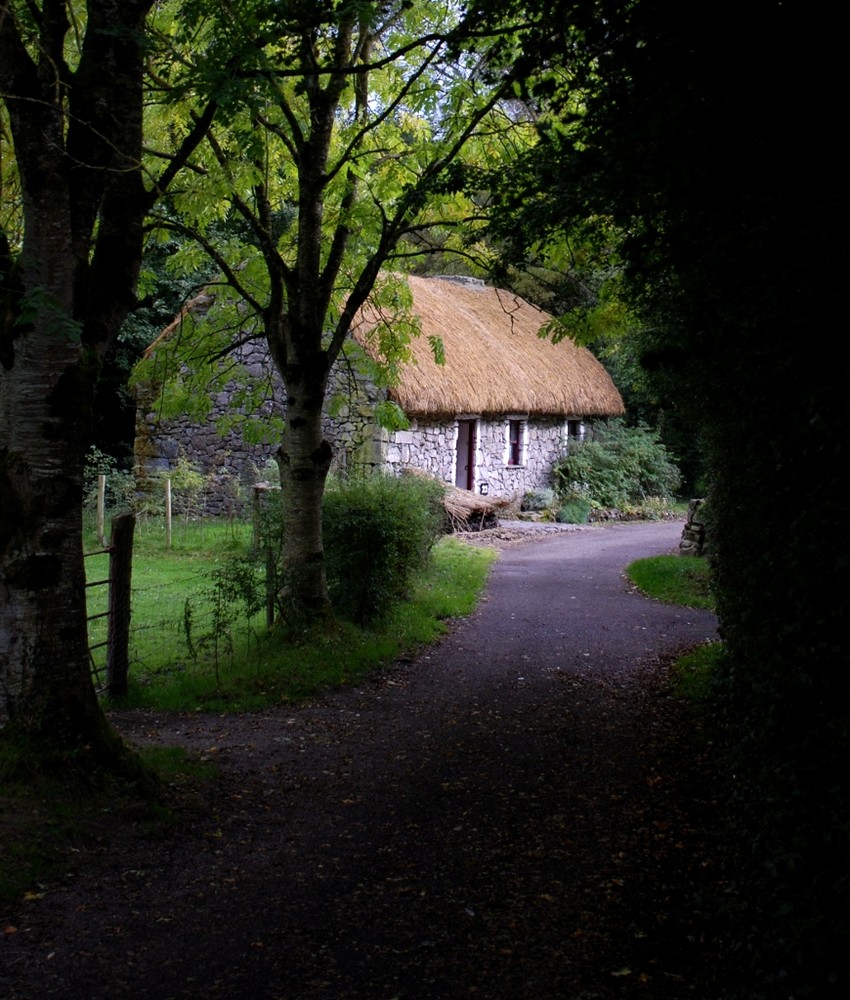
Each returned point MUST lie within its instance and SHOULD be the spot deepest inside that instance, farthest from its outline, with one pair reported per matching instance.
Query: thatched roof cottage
(493, 418)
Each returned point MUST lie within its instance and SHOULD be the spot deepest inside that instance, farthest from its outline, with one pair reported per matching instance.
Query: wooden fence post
(259, 512)
(101, 507)
(168, 513)
(120, 574)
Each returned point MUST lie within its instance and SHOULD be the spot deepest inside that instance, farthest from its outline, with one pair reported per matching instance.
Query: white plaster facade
(442, 448)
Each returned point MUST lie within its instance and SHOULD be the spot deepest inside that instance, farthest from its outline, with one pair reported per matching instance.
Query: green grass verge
(674, 579)
(695, 672)
(683, 580)
(244, 666)
(163, 580)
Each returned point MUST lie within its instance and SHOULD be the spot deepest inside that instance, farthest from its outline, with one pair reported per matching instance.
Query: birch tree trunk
(44, 663)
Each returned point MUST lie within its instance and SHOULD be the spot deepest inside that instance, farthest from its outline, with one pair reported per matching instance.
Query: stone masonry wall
(232, 464)
(544, 442)
(432, 447)
(229, 461)
(693, 541)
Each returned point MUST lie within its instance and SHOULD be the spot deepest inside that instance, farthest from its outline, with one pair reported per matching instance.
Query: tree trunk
(63, 296)
(304, 459)
(45, 679)
(46, 385)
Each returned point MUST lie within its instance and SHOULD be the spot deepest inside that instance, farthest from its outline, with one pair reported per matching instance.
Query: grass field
(674, 580)
(192, 647)
(683, 580)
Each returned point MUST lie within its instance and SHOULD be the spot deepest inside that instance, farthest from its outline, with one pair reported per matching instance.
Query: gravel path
(515, 813)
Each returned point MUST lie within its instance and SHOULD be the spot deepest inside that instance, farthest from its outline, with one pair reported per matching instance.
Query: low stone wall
(232, 462)
(693, 541)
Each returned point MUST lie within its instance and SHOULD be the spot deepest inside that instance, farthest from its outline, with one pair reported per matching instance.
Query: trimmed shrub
(378, 534)
(537, 500)
(573, 512)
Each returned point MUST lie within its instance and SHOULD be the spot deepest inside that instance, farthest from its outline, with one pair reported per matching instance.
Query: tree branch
(229, 272)
(180, 159)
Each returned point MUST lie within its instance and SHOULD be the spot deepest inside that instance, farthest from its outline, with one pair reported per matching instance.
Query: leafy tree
(359, 129)
(71, 232)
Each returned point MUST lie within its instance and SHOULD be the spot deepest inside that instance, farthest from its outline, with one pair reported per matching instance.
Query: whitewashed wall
(432, 447)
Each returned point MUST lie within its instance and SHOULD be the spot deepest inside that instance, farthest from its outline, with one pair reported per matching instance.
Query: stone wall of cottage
(432, 447)
(543, 442)
(427, 445)
(232, 465)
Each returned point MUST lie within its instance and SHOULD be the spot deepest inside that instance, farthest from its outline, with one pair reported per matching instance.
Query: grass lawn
(192, 647)
(684, 580)
(675, 579)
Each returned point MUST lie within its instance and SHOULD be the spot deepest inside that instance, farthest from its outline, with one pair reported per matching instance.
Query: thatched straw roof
(494, 360)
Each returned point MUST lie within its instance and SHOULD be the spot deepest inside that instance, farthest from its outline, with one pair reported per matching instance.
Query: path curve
(500, 818)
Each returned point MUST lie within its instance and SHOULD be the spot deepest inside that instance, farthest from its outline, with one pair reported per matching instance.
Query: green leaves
(390, 416)
(38, 306)
(619, 466)
(379, 533)
(438, 349)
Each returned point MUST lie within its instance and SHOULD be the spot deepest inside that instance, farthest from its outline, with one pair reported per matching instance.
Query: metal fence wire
(111, 675)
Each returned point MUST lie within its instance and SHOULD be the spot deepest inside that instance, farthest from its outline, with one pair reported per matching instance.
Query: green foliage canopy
(347, 134)
(379, 531)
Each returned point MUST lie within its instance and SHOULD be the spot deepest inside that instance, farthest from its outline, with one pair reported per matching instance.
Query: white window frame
(582, 430)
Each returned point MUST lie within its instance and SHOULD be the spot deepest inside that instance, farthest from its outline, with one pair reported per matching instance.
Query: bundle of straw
(465, 510)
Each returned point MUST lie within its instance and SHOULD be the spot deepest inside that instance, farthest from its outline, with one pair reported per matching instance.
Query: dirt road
(516, 813)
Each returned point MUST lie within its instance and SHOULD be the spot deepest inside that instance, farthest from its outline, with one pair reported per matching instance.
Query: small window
(575, 432)
(515, 436)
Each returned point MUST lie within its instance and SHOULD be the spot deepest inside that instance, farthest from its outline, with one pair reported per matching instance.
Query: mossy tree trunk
(304, 458)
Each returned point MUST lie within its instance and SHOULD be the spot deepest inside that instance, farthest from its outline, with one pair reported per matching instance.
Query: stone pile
(693, 542)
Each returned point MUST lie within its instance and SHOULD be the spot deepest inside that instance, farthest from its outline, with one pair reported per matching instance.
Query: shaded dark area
(706, 148)
(114, 405)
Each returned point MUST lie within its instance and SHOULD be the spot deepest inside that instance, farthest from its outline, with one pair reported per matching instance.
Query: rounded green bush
(574, 512)
(378, 533)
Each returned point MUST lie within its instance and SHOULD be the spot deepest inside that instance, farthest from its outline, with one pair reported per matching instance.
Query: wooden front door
(465, 460)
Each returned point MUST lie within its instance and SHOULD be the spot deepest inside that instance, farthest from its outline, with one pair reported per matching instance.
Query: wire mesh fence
(193, 602)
